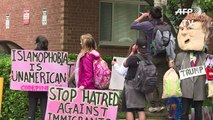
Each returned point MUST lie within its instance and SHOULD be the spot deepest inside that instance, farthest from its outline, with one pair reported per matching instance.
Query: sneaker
(158, 109)
(153, 109)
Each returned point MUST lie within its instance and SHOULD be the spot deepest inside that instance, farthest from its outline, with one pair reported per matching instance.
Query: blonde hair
(205, 19)
(88, 42)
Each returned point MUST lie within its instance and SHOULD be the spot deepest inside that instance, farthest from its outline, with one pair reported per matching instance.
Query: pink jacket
(85, 75)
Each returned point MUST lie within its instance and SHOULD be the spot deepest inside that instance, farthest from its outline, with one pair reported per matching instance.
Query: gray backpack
(146, 76)
(161, 37)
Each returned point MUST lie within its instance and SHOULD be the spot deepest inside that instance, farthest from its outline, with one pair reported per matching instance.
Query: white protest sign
(117, 80)
(192, 72)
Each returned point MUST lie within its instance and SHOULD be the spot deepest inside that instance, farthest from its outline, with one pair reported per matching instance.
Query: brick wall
(25, 35)
(82, 16)
(67, 20)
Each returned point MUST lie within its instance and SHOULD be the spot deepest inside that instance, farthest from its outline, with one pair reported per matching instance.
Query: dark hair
(155, 12)
(42, 43)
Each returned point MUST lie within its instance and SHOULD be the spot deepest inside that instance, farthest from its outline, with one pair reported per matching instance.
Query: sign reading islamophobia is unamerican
(75, 104)
(37, 70)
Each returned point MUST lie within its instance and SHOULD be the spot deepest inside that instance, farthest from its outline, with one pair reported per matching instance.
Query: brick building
(68, 19)
(107, 20)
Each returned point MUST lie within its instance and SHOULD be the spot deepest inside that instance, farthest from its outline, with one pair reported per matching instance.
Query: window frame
(116, 43)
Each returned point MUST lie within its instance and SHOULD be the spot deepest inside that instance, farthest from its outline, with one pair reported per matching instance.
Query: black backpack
(146, 76)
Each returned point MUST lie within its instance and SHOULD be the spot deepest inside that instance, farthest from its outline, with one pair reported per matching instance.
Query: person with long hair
(84, 64)
(42, 45)
(121, 69)
(132, 99)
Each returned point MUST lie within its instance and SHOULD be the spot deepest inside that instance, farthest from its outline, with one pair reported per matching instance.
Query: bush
(14, 103)
(107, 58)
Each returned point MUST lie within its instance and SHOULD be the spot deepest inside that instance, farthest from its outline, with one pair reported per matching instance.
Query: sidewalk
(155, 116)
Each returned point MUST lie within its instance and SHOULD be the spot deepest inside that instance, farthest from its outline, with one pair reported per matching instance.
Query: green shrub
(14, 103)
(107, 58)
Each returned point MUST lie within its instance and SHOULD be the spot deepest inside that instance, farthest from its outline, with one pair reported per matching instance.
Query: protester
(160, 60)
(192, 39)
(84, 64)
(121, 69)
(133, 100)
(42, 45)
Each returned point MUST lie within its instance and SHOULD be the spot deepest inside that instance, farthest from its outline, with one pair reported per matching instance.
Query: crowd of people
(191, 39)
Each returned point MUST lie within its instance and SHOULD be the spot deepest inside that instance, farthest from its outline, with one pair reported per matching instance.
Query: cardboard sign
(117, 80)
(37, 70)
(76, 104)
(192, 72)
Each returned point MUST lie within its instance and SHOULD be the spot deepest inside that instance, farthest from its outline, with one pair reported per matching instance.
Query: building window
(115, 19)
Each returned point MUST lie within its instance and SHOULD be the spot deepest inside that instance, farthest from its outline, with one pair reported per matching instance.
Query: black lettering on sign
(39, 77)
(100, 98)
(182, 71)
(32, 66)
(200, 68)
(13, 55)
(19, 53)
(65, 95)
(39, 68)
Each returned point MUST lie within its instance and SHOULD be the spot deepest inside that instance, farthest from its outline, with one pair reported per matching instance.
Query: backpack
(160, 38)
(101, 74)
(146, 76)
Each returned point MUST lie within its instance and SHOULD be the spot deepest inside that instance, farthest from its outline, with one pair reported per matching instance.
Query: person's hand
(145, 14)
(81, 87)
(113, 62)
(11, 75)
(134, 49)
(171, 64)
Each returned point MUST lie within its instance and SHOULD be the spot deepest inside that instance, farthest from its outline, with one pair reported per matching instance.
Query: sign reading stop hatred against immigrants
(37, 70)
(76, 104)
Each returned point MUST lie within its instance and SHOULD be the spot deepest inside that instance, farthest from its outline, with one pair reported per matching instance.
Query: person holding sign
(42, 44)
(84, 64)
(121, 69)
(132, 99)
(190, 63)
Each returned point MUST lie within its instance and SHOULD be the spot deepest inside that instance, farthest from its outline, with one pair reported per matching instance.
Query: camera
(114, 60)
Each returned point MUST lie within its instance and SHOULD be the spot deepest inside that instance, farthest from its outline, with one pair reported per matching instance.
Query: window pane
(124, 15)
(106, 21)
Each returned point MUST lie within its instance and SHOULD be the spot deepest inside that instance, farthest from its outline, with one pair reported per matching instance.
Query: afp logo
(183, 11)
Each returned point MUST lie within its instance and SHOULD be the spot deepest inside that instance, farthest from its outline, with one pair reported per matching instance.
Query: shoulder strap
(139, 57)
(144, 59)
